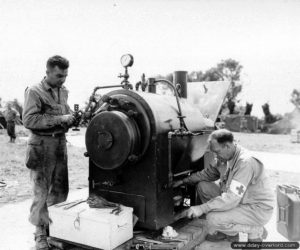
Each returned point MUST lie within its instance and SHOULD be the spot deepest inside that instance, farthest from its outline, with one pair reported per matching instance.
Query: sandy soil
(268, 143)
(15, 174)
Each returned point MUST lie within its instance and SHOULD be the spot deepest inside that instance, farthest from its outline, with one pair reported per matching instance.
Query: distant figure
(248, 108)
(10, 117)
(296, 98)
(231, 106)
(269, 117)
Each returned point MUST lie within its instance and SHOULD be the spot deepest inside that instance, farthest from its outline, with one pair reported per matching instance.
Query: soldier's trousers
(245, 218)
(11, 129)
(46, 157)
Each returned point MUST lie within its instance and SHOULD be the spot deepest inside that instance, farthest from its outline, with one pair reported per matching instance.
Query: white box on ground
(91, 226)
(295, 135)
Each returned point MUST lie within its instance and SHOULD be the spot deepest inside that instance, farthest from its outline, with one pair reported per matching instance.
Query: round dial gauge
(127, 60)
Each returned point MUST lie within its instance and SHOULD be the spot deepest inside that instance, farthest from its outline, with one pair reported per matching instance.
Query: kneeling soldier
(243, 200)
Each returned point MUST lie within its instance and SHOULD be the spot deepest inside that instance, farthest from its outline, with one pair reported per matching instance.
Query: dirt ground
(15, 174)
(268, 143)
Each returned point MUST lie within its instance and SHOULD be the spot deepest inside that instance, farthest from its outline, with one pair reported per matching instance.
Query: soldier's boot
(258, 240)
(262, 237)
(41, 242)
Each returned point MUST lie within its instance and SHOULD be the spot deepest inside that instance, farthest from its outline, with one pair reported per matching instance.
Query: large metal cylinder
(130, 161)
(112, 138)
(180, 77)
(122, 132)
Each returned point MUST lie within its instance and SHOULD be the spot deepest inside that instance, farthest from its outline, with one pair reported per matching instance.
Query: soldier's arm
(230, 199)
(69, 110)
(208, 174)
(33, 116)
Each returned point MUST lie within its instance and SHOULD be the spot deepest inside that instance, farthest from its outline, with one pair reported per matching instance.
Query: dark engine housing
(136, 147)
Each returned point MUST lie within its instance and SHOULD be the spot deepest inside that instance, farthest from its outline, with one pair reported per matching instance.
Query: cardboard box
(92, 227)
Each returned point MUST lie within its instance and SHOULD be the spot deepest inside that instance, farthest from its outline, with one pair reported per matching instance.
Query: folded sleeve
(210, 173)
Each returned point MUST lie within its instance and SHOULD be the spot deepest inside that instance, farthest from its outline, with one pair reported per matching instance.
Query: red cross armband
(237, 188)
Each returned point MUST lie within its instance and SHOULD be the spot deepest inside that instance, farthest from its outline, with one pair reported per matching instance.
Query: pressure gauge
(127, 60)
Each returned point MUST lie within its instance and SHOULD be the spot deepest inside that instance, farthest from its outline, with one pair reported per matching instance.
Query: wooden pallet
(191, 233)
(221, 245)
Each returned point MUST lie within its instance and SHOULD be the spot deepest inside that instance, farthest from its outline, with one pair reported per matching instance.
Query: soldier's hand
(194, 212)
(87, 115)
(177, 183)
(68, 119)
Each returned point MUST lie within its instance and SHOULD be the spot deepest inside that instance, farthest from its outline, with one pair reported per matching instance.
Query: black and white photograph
(163, 124)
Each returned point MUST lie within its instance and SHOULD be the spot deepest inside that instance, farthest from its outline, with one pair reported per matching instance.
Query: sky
(163, 36)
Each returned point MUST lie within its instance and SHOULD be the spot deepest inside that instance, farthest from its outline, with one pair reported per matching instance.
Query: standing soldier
(47, 115)
(10, 117)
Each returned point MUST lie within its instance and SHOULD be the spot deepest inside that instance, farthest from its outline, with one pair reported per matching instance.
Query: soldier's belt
(49, 134)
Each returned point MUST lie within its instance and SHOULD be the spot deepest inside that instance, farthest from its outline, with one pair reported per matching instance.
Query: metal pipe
(181, 134)
(170, 135)
(170, 172)
(186, 172)
(109, 86)
(94, 92)
(180, 77)
(180, 116)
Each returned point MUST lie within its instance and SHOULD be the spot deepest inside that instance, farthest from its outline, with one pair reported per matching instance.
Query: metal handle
(76, 222)
(124, 225)
(283, 214)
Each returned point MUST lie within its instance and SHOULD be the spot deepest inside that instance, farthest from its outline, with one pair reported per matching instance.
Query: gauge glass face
(126, 60)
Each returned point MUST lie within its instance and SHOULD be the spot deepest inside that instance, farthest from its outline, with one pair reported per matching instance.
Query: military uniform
(46, 155)
(242, 202)
(10, 117)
